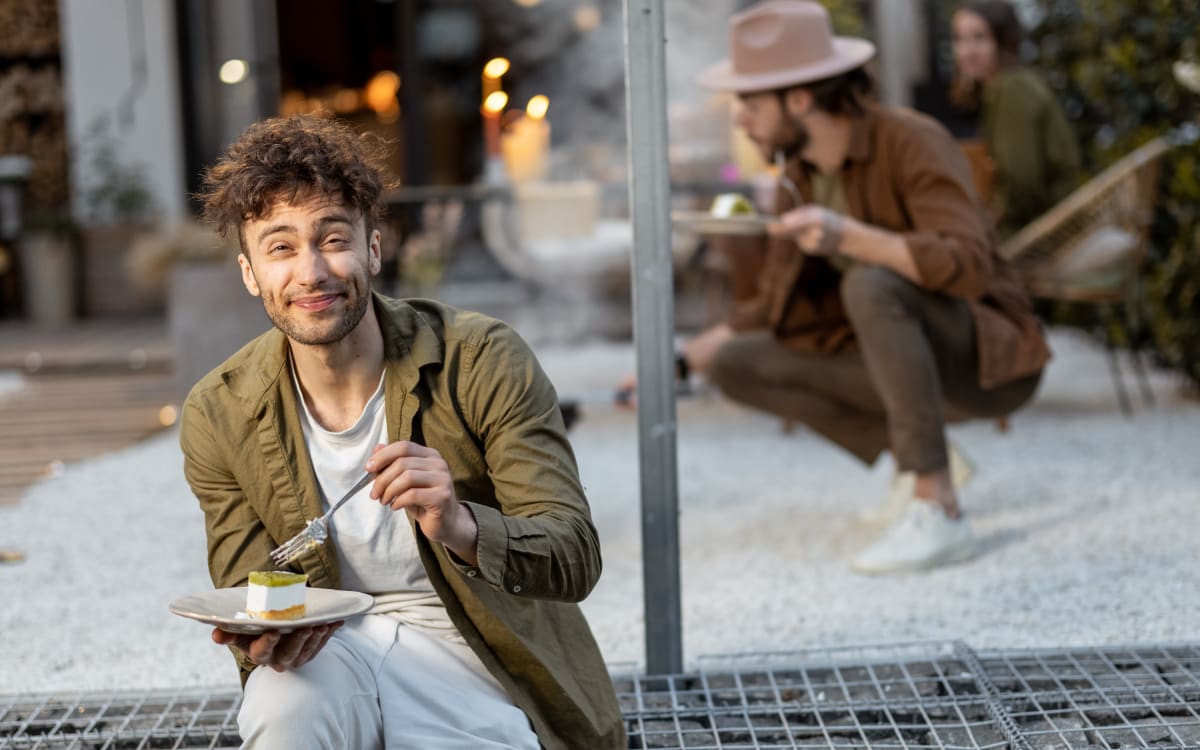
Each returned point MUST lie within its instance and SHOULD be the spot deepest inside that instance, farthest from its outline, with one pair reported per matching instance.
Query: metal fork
(788, 184)
(317, 530)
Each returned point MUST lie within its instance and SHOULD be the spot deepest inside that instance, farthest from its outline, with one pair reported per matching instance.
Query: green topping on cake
(277, 578)
(731, 204)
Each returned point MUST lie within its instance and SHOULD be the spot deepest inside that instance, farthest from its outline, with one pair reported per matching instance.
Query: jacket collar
(860, 148)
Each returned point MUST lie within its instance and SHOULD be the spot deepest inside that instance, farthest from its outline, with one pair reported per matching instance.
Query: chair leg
(1119, 384)
(1114, 368)
(1139, 369)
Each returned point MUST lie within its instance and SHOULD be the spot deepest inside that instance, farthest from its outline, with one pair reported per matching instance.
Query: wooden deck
(83, 391)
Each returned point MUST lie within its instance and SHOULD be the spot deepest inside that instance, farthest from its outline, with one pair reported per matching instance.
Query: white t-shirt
(376, 549)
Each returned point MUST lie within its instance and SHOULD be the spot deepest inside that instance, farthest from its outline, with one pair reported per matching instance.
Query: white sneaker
(900, 491)
(923, 537)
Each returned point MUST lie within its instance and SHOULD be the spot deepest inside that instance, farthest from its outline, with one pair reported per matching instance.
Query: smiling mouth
(319, 302)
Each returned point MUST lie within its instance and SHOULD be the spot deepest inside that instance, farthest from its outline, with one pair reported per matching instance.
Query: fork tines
(296, 546)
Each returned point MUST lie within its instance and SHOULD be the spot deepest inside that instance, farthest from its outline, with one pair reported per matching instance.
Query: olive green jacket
(1032, 145)
(468, 386)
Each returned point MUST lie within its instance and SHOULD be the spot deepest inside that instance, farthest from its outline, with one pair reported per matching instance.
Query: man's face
(311, 262)
(769, 125)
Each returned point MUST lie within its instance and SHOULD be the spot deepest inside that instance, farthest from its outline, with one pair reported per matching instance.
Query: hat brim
(848, 53)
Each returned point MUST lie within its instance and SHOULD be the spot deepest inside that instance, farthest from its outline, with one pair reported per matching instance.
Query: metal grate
(121, 721)
(913, 696)
(1107, 698)
(907, 696)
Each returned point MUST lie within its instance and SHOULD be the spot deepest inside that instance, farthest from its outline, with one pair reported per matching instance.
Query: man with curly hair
(475, 638)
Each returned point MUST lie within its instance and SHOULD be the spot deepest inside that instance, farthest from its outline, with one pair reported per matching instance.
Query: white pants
(379, 683)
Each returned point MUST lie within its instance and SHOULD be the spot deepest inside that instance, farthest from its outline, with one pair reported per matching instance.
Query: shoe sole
(950, 557)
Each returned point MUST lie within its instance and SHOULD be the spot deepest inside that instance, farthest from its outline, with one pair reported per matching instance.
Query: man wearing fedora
(883, 310)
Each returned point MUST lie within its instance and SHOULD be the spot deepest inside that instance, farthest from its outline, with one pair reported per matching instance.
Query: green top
(273, 578)
(1034, 149)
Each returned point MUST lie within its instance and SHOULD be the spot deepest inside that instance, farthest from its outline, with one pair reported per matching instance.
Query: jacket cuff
(491, 546)
(940, 266)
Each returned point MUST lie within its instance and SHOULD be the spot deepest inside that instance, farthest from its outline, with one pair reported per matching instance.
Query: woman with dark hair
(1023, 128)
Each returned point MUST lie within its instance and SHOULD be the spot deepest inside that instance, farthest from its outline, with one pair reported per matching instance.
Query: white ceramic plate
(220, 607)
(703, 222)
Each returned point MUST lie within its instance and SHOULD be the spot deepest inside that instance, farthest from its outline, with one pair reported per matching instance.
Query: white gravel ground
(1090, 522)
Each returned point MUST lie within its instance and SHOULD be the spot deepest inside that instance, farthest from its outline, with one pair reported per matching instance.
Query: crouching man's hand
(279, 651)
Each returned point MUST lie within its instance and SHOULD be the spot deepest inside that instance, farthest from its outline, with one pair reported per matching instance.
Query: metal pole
(653, 318)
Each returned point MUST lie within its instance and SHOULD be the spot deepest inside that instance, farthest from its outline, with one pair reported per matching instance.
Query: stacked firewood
(30, 28)
(31, 99)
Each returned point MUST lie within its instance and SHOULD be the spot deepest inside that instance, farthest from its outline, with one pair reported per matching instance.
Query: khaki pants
(914, 370)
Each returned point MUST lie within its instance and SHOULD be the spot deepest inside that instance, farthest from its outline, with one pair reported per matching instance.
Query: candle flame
(495, 102)
(495, 67)
(380, 92)
(537, 107)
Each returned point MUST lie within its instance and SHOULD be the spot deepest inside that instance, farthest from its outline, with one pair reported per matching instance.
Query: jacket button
(516, 589)
(472, 573)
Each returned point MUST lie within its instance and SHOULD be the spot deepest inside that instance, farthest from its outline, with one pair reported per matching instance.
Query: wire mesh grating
(120, 720)
(913, 696)
(1109, 698)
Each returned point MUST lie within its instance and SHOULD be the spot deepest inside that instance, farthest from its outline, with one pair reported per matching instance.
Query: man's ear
(248, 275)
(798, 101)
(375, 252)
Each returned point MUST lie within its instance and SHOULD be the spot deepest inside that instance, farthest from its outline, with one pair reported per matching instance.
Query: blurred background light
(587, 17)
(380, 92)
(537, 106)
(234, 71)
(495, 102)
(496, 67)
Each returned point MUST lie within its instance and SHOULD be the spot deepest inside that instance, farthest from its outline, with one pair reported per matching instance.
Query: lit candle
(492, 107)
(492, 72)
(526, 144)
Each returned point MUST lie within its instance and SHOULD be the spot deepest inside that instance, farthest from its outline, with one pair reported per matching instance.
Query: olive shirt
(468, 386)
(903, 173)
(1032, 146)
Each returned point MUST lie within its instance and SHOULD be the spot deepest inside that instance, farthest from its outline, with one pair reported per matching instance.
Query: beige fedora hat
(782, 43)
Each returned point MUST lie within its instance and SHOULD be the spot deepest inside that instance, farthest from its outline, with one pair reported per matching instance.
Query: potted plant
(116, 207)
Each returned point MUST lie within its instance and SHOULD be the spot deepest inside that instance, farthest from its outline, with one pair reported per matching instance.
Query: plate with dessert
(731, 213)
(272, 600)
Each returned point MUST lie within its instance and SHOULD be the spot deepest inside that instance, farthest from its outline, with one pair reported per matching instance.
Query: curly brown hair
(290, 158)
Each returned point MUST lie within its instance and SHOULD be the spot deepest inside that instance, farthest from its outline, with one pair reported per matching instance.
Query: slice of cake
(276, 595)
(726, 205)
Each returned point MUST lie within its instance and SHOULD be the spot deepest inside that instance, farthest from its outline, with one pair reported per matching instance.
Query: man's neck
(337, 380)
(829, 141)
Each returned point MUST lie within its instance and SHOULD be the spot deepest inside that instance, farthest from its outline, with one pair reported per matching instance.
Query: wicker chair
(1089, 247)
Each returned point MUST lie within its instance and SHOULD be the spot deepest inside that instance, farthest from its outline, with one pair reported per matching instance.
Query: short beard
(308, 337)
(794, 139)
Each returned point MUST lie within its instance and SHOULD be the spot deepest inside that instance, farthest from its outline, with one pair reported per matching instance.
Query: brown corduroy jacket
(904, 173)
(468, 386)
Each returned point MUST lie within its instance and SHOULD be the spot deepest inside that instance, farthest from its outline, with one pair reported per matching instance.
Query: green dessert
(726, 205)
(276, 595)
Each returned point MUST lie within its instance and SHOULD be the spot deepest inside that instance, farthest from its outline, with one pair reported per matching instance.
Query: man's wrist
(465, 538)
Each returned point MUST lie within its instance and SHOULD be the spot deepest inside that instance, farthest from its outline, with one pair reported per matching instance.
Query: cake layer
(276, 578)
(276, 595)
(291, 613)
